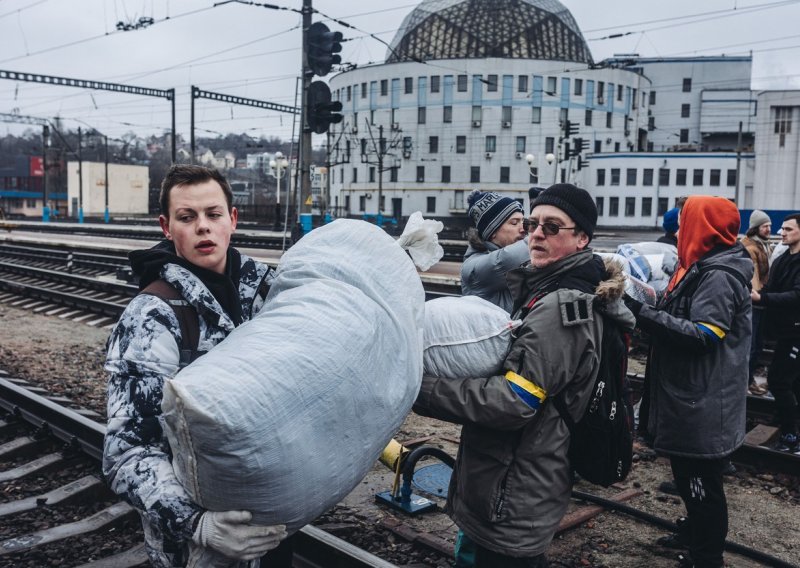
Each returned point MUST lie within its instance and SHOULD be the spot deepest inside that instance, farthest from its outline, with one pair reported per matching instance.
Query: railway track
(57, 510)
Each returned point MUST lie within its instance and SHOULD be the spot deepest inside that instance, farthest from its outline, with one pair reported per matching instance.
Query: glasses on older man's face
(550, 229)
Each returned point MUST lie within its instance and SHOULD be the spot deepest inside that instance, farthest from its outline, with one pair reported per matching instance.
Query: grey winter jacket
(511, 483)
(698, 364)
(143, 352)
(485, 266)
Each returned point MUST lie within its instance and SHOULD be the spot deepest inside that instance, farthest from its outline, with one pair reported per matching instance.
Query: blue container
(305, 222)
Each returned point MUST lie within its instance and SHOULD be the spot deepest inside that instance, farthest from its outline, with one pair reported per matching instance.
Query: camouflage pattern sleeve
(142, 354)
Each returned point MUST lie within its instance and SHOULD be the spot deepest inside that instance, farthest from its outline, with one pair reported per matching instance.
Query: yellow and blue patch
(711, 330)
(531, 394)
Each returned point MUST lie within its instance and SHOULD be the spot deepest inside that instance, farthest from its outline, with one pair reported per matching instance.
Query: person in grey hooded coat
(497, 244)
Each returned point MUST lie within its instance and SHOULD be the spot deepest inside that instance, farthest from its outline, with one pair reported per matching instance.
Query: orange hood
(705, 222)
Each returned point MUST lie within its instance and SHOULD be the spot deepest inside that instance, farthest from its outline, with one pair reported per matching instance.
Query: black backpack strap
(187, 318)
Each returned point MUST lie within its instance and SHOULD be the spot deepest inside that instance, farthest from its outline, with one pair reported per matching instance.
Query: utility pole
(106, 157)
(45, 142)
(738, 163)
(80, 179)
(305, 132)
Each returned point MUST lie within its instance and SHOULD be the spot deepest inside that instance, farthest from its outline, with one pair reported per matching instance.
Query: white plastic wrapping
(420, 239)
(466, 337)
(289, 412)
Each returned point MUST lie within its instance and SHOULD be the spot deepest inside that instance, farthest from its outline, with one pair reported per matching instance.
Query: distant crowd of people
(512, 479)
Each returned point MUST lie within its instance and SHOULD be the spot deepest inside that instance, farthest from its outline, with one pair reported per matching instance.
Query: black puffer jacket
(781, 296)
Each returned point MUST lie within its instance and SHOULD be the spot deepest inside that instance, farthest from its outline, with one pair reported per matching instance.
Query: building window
(630, 176)
(536, 115)
(598, 146)
(372, 174)
(551, 86)
(609, 119)
(599, 202)
(663, 176)
(435, 83)
(409, 84)
(491, 143)
(477, 114)
(652, 98)
(421, 115)
(647, 206)
(363, 146)
(684, 136)
(355, 176)
(382, 202)
(520, 147)
(362, 202)
(363, 90)
(549, 145)
(651, 123)
(697, 177)
(475, 174)
(445, 174)
(461, 83)
(505, 174)
(587, 120)
(492, 83)
(714, 178)
(630, 206)
(461, 144)
(685, 110)
(433, 143)
(601, 177)
(647, 176)
(578, 87)
(393, 174)
(687, 85)
(430, 206)
(783, 123)
(619, 97)
(384, 87)
(505, 115)
(522, 84)
(634, 98)
(420, 174)
(680, 177)
(613, 207)
(349, 93)
(616, 146)
(447, 114)
(663, 204)
(614, 176)
(731, 181)
(601, 91)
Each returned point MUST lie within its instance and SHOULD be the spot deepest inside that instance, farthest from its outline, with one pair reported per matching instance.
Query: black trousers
(485, 558)
(756, 340)
(699, 483)
(784, 382)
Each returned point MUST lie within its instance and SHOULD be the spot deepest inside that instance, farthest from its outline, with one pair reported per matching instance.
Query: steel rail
(78, 280)
(68, 299)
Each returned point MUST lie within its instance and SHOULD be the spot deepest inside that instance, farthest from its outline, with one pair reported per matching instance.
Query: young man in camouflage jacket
(225, 288)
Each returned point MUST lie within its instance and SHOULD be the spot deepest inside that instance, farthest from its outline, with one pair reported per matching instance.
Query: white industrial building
(469, 89)
(128, 189)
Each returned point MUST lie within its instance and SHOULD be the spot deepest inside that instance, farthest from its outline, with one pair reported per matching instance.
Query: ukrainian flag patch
(711, 330)
(531, 394)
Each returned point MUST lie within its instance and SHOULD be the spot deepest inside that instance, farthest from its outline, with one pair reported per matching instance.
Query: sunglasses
(549, 229)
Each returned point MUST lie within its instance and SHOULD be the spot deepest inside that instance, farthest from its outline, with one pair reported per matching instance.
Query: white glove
(229, 533)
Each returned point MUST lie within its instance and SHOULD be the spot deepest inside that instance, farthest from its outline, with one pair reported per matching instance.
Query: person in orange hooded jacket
(698, 367)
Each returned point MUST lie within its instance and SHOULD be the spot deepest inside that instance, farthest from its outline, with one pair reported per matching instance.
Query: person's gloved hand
(229, 533)
(632, 304)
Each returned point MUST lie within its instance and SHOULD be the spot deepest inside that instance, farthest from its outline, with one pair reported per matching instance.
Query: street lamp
(550, 158)
(278, 168)
(531, 159)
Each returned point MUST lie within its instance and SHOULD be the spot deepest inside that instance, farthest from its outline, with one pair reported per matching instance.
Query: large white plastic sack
(287, 414)
(466, 337)
(669, 262)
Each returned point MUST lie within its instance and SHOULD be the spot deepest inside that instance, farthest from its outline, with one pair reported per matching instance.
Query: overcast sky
(254, 52)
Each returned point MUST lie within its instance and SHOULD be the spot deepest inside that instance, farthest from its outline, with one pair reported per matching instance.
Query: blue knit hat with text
(489, 210)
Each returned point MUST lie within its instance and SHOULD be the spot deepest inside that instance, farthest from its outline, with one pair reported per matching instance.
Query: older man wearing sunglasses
(512, 479)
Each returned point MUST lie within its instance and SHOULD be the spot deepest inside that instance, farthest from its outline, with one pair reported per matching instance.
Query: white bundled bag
(466, 337)
(286, 415)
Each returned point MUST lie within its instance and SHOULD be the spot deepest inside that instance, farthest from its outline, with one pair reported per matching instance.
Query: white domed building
(477, 94)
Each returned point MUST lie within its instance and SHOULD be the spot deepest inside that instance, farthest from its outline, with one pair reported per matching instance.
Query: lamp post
(278, 168)
(531, 159)
(550, 158)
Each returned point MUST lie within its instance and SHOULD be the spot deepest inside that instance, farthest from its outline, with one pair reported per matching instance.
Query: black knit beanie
(489, 210)
(574, 201)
